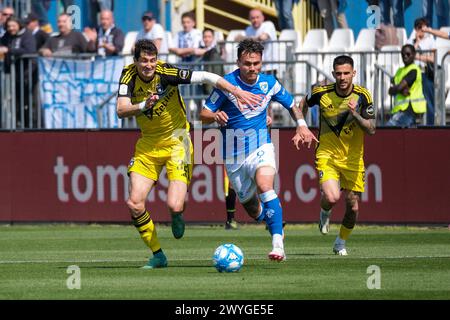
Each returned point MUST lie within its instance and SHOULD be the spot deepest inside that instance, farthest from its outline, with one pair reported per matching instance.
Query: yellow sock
(344, 233)
(147, 230)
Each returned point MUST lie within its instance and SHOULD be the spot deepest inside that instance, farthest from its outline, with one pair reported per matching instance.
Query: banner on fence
(73, 90)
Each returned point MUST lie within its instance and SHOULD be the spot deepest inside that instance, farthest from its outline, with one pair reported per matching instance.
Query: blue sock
(272, 212)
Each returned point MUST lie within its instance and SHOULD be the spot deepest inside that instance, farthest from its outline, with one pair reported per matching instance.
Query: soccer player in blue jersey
(248, 152)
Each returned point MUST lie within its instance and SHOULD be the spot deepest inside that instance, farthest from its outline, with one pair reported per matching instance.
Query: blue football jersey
(247, 130)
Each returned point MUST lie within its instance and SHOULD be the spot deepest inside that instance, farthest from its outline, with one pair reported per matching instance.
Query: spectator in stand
(423, 41)
(107, 40)
(264, 32)
(16, 42)
(187, 39)
(151, 30)
(442, 12)
(284, 12)
(32, 24)
(437, 33)
(40, 9)
(66, 42)
(397, 12)
(210, 52)
(5, 14)
(94, 8)
(331, 10)
(407, 89)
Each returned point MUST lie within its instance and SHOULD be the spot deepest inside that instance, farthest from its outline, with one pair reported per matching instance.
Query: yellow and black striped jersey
(169, 113)
(340, 136)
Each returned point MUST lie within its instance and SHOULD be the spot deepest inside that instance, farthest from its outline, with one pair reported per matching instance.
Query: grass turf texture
(414, 263)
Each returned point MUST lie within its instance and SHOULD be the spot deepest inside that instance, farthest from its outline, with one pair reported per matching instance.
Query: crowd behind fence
(298, 72)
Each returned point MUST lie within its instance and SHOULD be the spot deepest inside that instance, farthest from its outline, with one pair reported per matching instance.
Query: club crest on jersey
(264, 86)
(159, 89)
(131, 163)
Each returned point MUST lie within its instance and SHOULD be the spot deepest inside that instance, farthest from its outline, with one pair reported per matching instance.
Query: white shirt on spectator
(270, 51)
(157, 32)
(191, 39)
(427, 43)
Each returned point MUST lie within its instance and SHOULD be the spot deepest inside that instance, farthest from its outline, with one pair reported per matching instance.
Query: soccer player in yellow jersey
(148, 90)
(346, 114)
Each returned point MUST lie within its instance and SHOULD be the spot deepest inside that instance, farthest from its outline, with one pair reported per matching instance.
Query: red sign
(81, 176)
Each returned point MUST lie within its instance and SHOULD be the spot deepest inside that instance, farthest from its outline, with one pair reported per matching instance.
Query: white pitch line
(290, 258)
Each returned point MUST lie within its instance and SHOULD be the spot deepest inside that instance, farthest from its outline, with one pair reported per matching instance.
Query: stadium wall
(80, 176)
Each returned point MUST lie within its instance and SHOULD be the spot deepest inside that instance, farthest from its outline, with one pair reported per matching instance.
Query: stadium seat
(365, 40)
(218, 36)
(341, 41)
(447, 101)
(289, 41)
(390, 61)
(341, 38)
(443, 46)
(231, 48)
(315, 42)
(365, 43)
(130, 39)
(401, 35)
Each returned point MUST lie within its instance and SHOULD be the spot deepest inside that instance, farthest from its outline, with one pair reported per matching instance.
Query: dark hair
(208, 30)
(249, 46)
(188, 14)
(144, 45)
(411, 47)
(420, 22)
(340, 60)
(16, 20)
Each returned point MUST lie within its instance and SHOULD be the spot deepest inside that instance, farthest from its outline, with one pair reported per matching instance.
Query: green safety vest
(416, 97)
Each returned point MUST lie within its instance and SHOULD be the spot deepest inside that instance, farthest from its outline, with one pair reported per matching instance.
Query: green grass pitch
(414, 263)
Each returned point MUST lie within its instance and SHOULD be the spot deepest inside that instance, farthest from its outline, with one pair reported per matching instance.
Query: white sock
(277, 241)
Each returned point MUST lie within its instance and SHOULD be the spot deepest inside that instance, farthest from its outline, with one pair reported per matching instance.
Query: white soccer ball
(228, 258)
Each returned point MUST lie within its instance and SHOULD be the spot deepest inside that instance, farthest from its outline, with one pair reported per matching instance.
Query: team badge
(131, 163)
(370, 111)
(159, 89)
(320, 174)
(264, 86)
(184, 73)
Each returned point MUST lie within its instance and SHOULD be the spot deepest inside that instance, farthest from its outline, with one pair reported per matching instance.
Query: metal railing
(298, 72)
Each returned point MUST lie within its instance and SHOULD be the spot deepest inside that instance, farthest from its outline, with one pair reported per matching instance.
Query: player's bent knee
(331, 198)
(175, 205)
(136, 207)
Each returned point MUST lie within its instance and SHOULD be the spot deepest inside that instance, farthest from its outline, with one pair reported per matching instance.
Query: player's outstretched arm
(302, 133)
(207, 116)
(126, 109)
(244, 98)
(368, 125)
